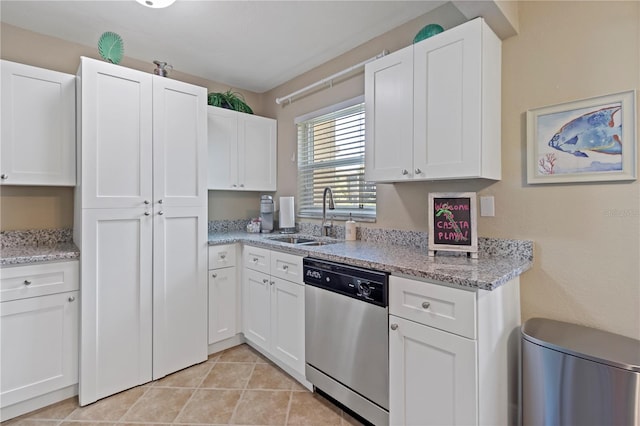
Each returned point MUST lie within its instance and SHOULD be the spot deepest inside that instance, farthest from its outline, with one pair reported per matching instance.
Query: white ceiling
(252, 45)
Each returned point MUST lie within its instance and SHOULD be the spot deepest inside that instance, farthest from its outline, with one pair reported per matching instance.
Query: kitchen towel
(287, 213)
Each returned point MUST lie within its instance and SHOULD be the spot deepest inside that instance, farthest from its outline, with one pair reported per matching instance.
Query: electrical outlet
(487, 206)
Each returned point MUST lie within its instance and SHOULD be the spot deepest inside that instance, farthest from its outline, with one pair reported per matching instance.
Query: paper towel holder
(287, 216)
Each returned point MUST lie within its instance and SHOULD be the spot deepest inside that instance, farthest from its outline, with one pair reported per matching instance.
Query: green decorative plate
(111, 47)
(428, 31)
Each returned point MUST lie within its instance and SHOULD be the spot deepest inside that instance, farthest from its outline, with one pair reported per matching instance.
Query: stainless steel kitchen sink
(301, 241)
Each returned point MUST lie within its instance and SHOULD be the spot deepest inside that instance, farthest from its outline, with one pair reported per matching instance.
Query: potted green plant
(229, 100)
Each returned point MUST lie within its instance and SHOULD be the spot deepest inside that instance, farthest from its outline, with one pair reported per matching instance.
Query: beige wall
(586, 263)
(586, 266)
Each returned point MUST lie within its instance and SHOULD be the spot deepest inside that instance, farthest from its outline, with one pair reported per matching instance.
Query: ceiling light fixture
(156, 4)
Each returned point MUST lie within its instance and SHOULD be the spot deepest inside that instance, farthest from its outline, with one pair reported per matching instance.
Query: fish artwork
(594, 131)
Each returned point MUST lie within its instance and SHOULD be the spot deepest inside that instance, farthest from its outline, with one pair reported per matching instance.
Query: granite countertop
(25, 254)
(492, 269)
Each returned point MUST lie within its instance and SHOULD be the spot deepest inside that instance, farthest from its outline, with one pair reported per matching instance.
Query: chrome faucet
(332, 206)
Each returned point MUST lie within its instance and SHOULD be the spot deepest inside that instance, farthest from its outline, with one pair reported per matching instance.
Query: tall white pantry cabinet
(141, 226)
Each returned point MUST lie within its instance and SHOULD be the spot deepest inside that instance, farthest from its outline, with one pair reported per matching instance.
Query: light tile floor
(236, 386)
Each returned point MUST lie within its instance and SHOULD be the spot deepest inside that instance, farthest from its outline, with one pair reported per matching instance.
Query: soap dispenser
(350, 229)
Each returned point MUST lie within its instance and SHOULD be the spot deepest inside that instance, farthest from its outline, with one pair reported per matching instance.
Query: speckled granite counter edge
(35, 246)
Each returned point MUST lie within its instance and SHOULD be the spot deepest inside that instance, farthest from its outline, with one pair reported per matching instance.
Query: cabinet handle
(255, 260)
(147, 213)
(160, 201)
(394, 326)
(160, 212)
(242, 185)
(285, 267)
(426, 305)
(223, 256)
(4, 176)
(27, 282)
(71, 299)
(405, 172)
(234, 185)
(265, 281)
(146, 201)
(214, 275)
(418, 171)
(272, 282)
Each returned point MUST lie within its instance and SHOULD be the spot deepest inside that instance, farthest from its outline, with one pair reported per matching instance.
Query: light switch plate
(487, 206)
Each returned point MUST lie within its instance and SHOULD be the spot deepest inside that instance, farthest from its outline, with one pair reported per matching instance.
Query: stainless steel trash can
(575, 375)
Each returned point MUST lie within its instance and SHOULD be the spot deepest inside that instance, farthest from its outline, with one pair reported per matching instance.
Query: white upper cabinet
(242, 151)
(433, 109)
(116, 135)
(38, 126)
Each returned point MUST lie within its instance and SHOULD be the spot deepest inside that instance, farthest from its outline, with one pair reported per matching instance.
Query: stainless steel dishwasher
(347, 340)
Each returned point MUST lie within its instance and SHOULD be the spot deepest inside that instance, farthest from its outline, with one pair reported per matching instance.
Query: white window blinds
(331, 153)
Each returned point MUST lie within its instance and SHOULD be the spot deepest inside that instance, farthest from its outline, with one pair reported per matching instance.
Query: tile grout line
(286, 417)
(134, 402)
(204, 376)
(235, 409)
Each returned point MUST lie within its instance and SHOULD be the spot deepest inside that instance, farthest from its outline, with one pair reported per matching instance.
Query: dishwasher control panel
(358, 283)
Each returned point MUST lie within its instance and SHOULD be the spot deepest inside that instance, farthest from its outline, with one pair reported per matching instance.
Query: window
(331, 153)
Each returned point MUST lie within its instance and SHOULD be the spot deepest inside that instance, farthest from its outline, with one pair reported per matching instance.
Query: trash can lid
(584, 342)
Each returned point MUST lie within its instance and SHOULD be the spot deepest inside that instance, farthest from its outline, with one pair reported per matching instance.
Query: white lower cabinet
(273, 306)
(38, 336)
(223, 293)
(432, 375)
(453, 354)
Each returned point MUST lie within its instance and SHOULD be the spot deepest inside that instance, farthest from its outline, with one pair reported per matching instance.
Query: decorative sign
(452, 222)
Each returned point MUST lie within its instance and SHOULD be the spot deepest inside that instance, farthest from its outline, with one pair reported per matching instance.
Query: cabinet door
(256, 308)
(222, 304)
(222, 140)
(179, 143)
(388, 92)
(39, 346)
(447, 103)
(116, 293)
(115, 136)
(38, 126)
(287, 323)
(432, 376)
(179, 288)
(257, 153)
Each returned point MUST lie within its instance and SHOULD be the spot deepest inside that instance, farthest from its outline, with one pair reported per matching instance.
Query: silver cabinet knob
(4, 176)
(71, 299)
(223, 256)
(265, 281)
(27, 282)
(285, 267)
(160, 201)
(146, 201)
(272, 282)
(147, 213)
(214, 275)
(394, 326)
(160, 212)
(255, 260)
(405, 172)
(234, 186)
(426, 305)
(242, 185)
(418, 171)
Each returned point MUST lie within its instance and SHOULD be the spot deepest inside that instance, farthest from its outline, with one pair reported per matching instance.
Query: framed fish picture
(583, 141)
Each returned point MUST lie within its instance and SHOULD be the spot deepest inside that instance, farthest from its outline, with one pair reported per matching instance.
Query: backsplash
(521, 249)
(35, 237)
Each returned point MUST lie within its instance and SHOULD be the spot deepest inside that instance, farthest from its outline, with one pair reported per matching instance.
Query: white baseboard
(38, 402)
(236, 340)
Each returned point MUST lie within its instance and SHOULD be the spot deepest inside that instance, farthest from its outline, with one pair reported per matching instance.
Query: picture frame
(453, 222)
(588, 140)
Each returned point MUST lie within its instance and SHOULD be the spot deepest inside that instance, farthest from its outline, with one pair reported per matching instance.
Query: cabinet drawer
(286, 266)
(435, 305)
(256, 258)
(222, 256)
(19, 282)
